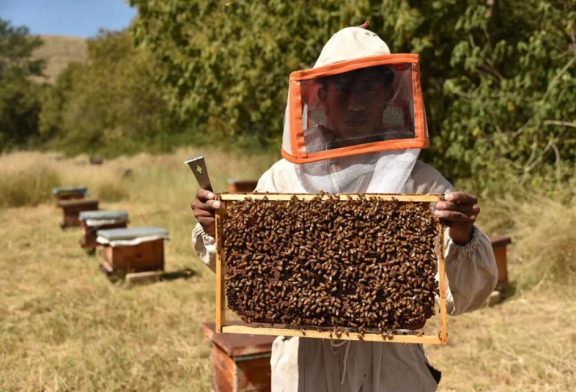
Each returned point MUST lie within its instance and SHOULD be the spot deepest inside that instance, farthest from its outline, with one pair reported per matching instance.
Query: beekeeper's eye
(342, 85)
(369, 88)
(348, 86)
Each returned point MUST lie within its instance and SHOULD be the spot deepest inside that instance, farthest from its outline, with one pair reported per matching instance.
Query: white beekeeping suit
(355, 123)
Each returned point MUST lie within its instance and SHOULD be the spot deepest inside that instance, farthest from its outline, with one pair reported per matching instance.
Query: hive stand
(69, 193)
(92, 221)
(239, 362)
(71, 210)
(239, 186)
(129, 250)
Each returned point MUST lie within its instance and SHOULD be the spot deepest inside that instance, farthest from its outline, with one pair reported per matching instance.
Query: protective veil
(355, 122)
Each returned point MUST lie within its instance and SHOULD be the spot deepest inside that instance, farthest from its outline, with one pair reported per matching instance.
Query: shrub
(544, 245)
(111, 105)
(29, 185)
(112, 191)
(19, 97)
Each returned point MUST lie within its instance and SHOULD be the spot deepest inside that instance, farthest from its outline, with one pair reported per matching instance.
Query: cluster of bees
(358, 265)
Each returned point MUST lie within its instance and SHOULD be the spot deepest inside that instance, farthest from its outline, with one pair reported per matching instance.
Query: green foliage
(19, 108)
(512, 97)
(111, 104)
(16, 46)
(498, 76)
(226, 65)
(499, 81)
(55, 100)
(19, 97)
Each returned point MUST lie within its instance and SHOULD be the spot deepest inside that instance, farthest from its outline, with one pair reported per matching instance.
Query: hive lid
(133, 233)
(500, 241)
(80, 190)
(237, 345)
(116, 215)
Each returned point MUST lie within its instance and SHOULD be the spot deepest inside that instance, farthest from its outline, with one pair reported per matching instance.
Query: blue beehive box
(69, 192)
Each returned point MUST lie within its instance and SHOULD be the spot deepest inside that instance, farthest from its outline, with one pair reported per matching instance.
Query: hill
(59, 51)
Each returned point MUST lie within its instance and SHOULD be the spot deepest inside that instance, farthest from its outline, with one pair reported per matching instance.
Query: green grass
(65, 327)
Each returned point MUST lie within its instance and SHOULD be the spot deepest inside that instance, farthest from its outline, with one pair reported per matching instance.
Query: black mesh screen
(358, 107)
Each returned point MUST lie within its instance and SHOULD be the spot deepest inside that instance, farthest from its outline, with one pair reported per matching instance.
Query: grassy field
(58, 52)
(65, 327)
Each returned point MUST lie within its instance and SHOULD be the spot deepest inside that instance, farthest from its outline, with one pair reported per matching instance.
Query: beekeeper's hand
(458, 211)
(204, 208)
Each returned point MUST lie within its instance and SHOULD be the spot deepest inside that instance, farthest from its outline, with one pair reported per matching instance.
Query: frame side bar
(442, 287)
(220, 297)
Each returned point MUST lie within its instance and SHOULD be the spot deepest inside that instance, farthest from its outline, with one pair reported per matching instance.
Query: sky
(80, 18)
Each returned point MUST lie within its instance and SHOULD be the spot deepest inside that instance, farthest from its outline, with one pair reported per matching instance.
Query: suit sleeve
(471, 271)
(471, 268)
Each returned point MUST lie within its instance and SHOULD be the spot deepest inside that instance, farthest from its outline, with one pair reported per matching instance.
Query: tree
(225, 66)
(111, 104)
(19, 97)
(498, 76)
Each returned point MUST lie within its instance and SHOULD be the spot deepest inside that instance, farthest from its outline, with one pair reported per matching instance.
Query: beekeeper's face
(355, 102)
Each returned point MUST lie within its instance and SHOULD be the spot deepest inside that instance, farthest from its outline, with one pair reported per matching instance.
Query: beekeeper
(354, 123)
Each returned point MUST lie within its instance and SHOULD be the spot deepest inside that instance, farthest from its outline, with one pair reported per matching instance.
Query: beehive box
(240, 362)
(92, 221)
(357, 267)
(71, 210)
(130, 250)
(69, 193)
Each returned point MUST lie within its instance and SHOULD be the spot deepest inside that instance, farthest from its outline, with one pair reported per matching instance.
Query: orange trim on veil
(298, 152)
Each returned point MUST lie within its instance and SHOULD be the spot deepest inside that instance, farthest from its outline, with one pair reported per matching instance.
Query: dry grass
(543, 232)
(547, 255)
(25, 179)
(527, 343)
(58, 52)
(65, 327)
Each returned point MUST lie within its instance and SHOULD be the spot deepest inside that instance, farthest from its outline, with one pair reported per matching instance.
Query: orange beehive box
(129, 250)
(71, 210)
(499, 245)
(240, 362)
(92, 221)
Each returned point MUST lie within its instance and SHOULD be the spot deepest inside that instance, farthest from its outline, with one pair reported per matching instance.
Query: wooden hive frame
(223, 326)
